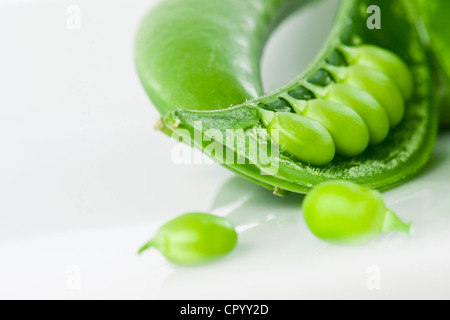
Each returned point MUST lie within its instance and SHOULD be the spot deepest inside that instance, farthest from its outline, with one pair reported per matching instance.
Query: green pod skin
(191, 53)
(194, 238)
(305, 139)
(348, 129)
(365, 105)
(384, 61)
(399, 157)
(341, 212)
(378, 85)
(434, 15)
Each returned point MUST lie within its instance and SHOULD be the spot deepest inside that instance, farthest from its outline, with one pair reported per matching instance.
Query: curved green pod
(434, 15)
(205, 55)
(193, 71)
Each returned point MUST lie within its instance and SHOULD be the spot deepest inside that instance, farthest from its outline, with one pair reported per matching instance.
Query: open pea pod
(364, 110)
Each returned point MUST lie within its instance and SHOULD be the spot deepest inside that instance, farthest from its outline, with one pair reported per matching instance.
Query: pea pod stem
(266, 117)
(146, 246)
(320, 92)
(350, 53)
(153, 243)
(393, 223)
(339, 73)
(201, 87)
(299, 106)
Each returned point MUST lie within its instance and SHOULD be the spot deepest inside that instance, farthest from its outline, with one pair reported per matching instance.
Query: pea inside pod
(346, 213)
(385, 61)
(231, 35)
(349, 132)
(301, 137)
(358, 110)
(378, 85)
(194, 238)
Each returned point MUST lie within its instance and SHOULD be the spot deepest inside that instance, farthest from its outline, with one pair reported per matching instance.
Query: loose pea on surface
(194, 238)
(346, 213)
(305, 139)
(348, 129)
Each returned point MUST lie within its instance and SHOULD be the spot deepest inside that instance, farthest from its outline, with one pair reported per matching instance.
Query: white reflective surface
(85, 180)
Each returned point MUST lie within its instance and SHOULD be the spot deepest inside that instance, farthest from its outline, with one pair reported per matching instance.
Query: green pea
(385, 61)
(349, 132)
(365, 105)
(379, 86)
(305, 139)
(346, 213)
(194, 238)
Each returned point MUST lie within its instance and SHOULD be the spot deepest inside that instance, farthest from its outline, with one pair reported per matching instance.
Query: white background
(85, 180)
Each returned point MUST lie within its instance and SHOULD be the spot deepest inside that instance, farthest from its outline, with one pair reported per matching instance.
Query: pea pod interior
(434, 15)
(189, 87)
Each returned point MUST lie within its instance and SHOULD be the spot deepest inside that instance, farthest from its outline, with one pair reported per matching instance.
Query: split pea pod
(194, 66)
(434, 15)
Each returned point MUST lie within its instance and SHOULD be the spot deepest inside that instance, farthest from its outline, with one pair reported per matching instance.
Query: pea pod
(195, 58)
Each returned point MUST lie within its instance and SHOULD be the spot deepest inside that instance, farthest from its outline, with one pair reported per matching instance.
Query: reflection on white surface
(86, 180)
(276, 258)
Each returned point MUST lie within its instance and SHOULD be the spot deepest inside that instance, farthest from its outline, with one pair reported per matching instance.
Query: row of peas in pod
(350, 103)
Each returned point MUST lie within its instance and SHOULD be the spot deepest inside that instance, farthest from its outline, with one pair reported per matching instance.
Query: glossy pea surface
(194, 238)
(365, 105)
(204, 54)
(385, 61)
(347, 213)
(381, 87)
(195, 55)
(349, 132)
(305, 139)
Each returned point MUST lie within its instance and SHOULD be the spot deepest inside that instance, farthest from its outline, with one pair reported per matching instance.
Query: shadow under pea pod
(271, 232)
(268, 225)
(249, 206)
